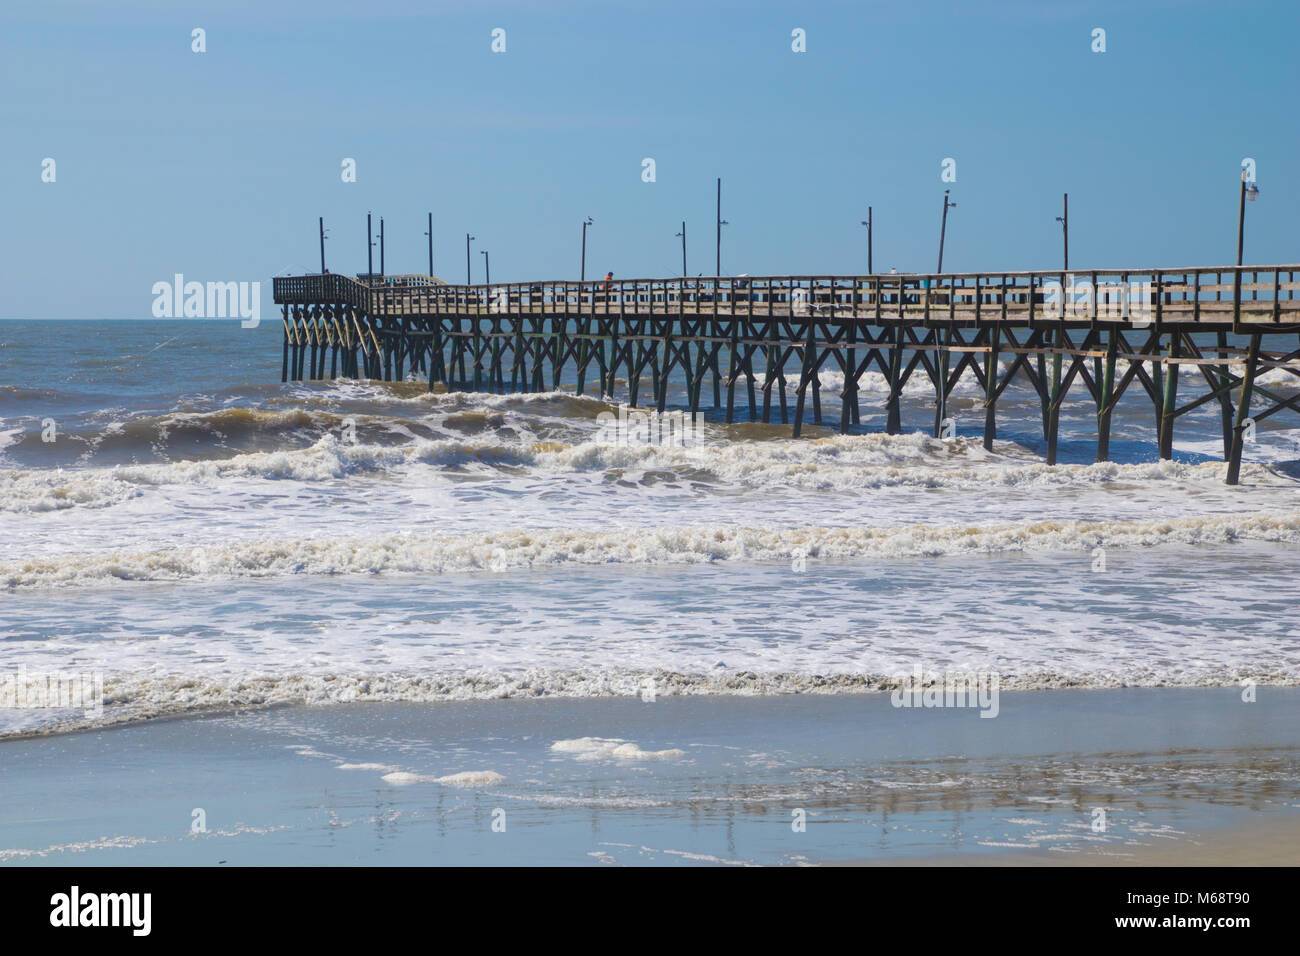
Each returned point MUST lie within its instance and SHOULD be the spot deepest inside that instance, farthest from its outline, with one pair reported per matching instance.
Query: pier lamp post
(1248, 191)
(370, 249)
(322, 245)
(867, 222)
(381, 245)
(942, 354)
(721, 222)
(582, 271)
(429, 233)
(943, 226)
(1064, 220)
(487, 267)
(468, 278)
(682, 236)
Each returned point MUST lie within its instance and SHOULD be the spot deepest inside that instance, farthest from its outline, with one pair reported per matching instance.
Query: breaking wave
(836, 463)
(513, 550)
(136, 698)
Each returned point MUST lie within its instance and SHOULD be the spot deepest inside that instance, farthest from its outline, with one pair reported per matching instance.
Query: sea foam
(508, 550)
(832, 463)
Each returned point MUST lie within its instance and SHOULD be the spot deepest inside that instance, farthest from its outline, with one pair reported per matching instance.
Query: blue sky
(216, 165)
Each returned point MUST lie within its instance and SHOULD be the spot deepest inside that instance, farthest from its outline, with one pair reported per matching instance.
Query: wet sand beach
(1182, 777)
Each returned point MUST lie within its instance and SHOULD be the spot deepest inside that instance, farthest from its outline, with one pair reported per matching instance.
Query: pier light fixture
(468, 276)
(1064, 220)
(943, 226)
(867, 222)
(721, 222)
(370, 248)
(429, 233)
(324, 234)
(582, 271)
(1249, 191)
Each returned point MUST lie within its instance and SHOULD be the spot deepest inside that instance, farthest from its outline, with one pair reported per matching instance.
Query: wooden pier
(1054, 329)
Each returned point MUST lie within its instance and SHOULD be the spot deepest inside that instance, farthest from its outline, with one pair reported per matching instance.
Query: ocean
(211, 543)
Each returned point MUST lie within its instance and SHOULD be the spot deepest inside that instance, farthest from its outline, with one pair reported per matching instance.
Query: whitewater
(212, 540)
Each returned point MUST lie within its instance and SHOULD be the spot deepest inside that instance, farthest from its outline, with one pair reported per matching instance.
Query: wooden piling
(1243, 408)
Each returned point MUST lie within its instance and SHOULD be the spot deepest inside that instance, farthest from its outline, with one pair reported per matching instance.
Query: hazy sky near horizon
(217, 164)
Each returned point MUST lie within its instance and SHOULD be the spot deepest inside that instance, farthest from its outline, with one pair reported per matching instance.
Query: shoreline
(270, 692)
(1184, 776)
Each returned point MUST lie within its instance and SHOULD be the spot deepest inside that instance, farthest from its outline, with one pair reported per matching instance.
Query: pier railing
(327, 287)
